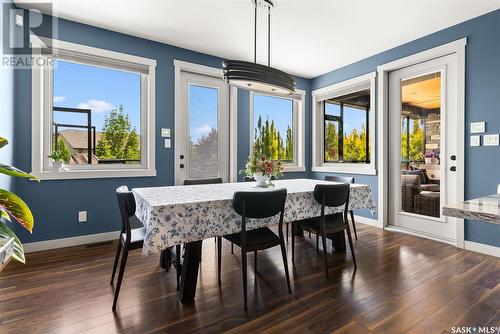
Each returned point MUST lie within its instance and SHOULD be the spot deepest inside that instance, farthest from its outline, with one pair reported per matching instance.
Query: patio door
(423, 142)
(202, 128)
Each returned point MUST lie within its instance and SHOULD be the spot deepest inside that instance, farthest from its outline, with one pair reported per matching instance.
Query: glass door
(203, 147)
(423, 147)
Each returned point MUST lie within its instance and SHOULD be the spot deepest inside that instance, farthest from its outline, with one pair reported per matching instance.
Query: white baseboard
(482, 248)
(367, 221)
(68, 242)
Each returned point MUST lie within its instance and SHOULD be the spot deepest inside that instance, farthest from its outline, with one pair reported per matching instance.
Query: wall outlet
(82, 216)
(168, 143)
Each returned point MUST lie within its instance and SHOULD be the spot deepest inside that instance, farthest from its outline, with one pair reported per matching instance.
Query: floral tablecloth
(180, 214)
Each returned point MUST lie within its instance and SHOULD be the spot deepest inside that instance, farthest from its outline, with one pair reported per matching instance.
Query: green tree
(117, 140)
(331, 142)
(289, 145)
(415, 151)
(268, 141)
(63, 150)
(132, 150)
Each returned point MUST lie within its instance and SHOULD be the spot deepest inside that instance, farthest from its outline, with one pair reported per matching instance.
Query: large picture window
(277, 128)
(343, 127)
(97, 113)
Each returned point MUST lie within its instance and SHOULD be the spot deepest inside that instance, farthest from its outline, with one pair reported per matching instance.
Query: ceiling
(309, 37)
(422, 92)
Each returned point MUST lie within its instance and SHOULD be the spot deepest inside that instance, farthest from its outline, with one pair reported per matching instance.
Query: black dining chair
(256, 204)
(345, 179)
(130, 238)
(329, 195)
(251, 179)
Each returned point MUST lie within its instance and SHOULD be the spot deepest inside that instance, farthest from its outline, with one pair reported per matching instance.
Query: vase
(428, 161)
(261, 179)
(59, 165)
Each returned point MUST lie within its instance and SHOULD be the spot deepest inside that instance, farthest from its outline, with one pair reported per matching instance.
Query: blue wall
(55, 203)
(482, 172)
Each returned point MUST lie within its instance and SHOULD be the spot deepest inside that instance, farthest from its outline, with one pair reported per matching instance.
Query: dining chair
(251, 179)
(329, 195)
(345, 179)
(130, 238)
(258, 205)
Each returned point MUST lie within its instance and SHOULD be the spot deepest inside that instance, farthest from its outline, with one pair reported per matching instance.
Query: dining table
(174, 215)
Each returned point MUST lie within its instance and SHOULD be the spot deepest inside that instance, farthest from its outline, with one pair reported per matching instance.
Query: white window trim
(318, 98)
(42, 104)
(299, 104)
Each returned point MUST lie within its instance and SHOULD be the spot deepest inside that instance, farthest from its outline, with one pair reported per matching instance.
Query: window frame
(42, 109)
(319, 96)
(298, 128)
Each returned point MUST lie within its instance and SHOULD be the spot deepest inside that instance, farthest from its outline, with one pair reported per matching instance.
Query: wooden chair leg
(219, 259)
(348, 230)
(285, 263)
(117, 256)
(178, 267)
(244, 273)
(353, 225)
(120, 276)
(325, 252)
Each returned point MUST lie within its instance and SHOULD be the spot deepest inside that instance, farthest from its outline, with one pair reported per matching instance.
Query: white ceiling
(309, 37)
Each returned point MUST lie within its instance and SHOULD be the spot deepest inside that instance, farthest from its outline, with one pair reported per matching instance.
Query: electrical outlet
(82, 216)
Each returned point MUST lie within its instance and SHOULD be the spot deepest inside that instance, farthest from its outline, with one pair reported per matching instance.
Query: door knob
(181, 165)
(453, 157)
(181, 156)
(453, 168)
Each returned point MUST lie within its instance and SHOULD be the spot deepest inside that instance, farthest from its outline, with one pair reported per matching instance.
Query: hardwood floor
(403, 284)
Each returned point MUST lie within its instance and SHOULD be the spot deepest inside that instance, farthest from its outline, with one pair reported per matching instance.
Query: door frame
(184, 66)
(456, 47)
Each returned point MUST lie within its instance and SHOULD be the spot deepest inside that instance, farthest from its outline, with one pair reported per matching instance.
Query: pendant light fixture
(255, 76)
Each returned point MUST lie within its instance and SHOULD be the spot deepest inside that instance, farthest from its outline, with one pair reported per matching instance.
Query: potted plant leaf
(13, 210)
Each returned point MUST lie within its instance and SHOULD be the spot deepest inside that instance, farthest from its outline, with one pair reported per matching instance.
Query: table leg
(190, 266)
(297, 229)
(338, 240)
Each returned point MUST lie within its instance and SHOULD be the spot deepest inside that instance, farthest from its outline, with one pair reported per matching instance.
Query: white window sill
(288, 169)
(346, 169)
(93, 174)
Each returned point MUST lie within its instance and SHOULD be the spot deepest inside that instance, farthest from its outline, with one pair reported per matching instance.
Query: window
(97, 114)
(343, 127)
(277, 128)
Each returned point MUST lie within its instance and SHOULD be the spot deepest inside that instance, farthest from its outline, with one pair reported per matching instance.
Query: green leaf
(18, 254)
(13, 171)
(3, 142)
(16, 207)
(4, 215)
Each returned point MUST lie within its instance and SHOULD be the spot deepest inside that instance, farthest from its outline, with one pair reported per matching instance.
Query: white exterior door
(202, 128)
(423, 147)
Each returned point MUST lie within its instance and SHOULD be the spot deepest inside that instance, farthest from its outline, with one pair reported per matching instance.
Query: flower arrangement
(429, 155)
(262, 169)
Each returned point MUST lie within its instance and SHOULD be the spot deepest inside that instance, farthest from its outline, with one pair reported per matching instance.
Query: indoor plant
(59, 156)
(14, 209)
(262, 170)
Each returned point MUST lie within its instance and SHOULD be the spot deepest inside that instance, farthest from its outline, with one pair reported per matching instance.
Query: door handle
(181, 165)
(453, 168)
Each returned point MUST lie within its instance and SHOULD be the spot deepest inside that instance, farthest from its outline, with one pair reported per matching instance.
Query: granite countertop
(486, 209)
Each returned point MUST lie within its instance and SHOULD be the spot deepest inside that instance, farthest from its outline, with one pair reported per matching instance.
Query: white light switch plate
(475, 140)
(168, 143)
(477, 127)
(82, 216)
(165, 133)
(491, 140)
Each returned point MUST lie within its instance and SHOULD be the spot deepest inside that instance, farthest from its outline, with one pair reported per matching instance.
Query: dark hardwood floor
(403, 284)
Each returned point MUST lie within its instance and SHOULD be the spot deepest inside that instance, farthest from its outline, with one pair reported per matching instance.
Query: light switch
(168, 144)
(475, 140)
(477, 127)
(165, 133)
(491, 140)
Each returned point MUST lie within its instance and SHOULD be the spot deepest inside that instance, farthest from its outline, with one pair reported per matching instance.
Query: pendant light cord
(255, 34)
(269, 36)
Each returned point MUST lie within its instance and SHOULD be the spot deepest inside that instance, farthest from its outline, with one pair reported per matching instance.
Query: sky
(98, 89)
(202, 110)
(353, 118)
